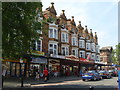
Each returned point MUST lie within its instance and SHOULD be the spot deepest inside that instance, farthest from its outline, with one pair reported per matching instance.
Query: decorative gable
(62, 15)
(52, 9)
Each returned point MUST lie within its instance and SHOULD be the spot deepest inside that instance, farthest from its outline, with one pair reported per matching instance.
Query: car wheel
(83, 79)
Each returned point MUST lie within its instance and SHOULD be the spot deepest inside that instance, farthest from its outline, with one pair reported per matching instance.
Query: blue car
(91, 75)
(105, 74)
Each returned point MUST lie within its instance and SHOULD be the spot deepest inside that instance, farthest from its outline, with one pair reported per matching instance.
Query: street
(104, 83)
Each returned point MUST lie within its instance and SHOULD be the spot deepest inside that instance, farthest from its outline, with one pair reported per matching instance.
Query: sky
(99, 15)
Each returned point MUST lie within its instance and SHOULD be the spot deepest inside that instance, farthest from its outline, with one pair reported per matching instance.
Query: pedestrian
(45, 73)
(37, 76)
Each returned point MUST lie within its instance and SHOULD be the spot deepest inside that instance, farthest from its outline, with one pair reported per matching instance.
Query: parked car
(91, 75)
(105, 74)
(113, 72)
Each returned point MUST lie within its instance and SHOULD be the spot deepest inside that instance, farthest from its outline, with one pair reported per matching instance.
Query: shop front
(37, 64)
(70, 66)
(54, 67)
(86, 65)
(14, 68)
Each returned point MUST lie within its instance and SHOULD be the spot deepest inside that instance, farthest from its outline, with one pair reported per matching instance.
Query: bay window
(75, 52)
(65, 51)
(53, 33)
(53, 48)
(37, 45)
(74, 41)
(82, 54)
(93, 47)
(81, 44)
(64, 37)
(93, 57)
(88, 46)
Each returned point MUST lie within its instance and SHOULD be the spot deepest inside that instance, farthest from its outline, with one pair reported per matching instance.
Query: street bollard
(91, 88)
(2, 81)
(22, 81)
(118, 78)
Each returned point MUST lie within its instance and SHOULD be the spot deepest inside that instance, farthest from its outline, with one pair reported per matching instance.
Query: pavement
(10, 82)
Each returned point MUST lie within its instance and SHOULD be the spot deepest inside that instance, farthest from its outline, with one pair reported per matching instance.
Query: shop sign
(84, 60)
(39, 53)
(54, 61)
(72, 57)
(41, 60)
(58, 56)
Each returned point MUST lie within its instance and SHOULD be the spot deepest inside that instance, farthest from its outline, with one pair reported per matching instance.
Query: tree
(19, 28)
(116, 54)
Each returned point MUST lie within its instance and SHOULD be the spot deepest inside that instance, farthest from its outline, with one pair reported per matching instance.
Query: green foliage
(116, 54)
(18, 27)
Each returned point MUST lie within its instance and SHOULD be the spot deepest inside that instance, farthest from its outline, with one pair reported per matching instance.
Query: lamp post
(21, 61)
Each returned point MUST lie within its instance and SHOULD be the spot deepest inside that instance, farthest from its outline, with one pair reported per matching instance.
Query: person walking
(45, 73)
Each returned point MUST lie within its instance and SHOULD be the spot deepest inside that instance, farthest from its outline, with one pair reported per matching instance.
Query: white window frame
(64, 37)
(66, 52)
(53, 48)
(74, 41)
(93, 56)
(36, 45)
(83, 54)
(93, 47)
(53, 34)
(81, 44)
(88, 46)
(76, 52)
(87, 53)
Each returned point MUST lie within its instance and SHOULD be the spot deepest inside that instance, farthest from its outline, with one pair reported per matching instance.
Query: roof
(62, 15)
(107, 48)
(52, 9)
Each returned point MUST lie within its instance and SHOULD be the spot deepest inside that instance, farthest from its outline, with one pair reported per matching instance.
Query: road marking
(53, 84)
